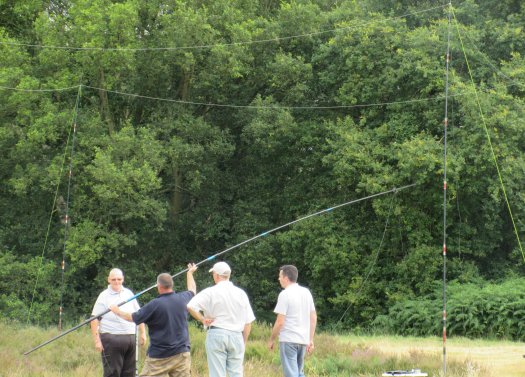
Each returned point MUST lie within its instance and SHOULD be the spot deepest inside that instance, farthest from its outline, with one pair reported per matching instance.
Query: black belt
(220, 328)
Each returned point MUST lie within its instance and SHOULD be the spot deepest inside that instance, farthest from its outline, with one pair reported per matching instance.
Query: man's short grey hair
(116, 272)
(165, 280)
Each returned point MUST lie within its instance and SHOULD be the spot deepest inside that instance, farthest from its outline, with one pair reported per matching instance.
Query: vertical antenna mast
(445, 126)
(66, 220)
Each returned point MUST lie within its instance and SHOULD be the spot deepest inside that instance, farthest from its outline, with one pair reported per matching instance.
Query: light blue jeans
(225, 352)
(292, 358)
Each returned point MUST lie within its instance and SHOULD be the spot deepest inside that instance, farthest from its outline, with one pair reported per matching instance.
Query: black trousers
(118, 356)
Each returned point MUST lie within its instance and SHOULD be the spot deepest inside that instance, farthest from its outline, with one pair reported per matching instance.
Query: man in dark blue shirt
(167, 320)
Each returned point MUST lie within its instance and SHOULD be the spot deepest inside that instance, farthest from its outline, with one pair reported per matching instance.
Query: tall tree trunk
(177, 196)
(184, 86)
(104, 102)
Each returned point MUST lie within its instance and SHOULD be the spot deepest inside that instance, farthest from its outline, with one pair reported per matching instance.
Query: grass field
(478, 357)
(335, 355)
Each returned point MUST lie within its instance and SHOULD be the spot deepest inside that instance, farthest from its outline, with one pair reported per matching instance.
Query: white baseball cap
(221, 268)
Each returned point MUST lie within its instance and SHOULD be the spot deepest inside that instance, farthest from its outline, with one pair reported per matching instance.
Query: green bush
(473, 310)
(19, 297)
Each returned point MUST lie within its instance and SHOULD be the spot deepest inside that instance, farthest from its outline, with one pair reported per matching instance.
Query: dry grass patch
(74, 355)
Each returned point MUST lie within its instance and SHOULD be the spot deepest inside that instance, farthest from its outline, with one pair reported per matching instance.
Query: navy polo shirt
(167, 320)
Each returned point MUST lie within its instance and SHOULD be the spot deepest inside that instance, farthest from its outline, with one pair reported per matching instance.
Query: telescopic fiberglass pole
(218, 254)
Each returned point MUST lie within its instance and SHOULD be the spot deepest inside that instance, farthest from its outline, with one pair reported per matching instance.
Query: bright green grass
(74, 355)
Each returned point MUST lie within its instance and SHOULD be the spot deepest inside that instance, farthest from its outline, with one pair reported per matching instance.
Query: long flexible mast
(445, 126)
(218, 254)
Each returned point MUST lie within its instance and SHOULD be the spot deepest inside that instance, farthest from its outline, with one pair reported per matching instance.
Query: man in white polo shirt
(225, 309)
(295, 324)
(114, 337)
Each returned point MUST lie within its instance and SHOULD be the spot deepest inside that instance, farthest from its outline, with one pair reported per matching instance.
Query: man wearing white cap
(225, 310)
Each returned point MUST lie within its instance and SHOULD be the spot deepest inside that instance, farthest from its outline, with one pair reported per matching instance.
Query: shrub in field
(473, 310)
(17, 296)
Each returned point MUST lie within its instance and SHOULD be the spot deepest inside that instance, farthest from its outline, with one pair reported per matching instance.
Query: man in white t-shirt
(225, 310)
(295, 324)
(114, 337)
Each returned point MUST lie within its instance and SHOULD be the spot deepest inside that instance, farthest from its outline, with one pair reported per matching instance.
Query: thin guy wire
(212, 257)
(267, 107)
(460, 222)
(39, 90)
(67, 218)
(229, 105)
(490, 64)
(276, 39)
(49, 223)
(437, 98)
(482, 115)
(374, 262)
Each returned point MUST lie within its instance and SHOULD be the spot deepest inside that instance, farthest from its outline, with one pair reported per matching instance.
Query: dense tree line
(203, 123)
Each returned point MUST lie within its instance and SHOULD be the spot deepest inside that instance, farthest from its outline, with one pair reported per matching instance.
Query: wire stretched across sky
(210, 46)
(30, 90)
(275, 107)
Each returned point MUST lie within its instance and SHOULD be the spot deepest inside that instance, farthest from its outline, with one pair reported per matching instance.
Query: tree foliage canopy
(200, 124)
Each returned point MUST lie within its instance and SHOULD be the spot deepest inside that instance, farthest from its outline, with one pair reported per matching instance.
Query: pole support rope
(489, 140)
(374, 258)
(55, 197)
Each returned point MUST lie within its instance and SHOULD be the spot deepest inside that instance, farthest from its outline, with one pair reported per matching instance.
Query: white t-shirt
(111, 323)
(296, 303)
(227, 304)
